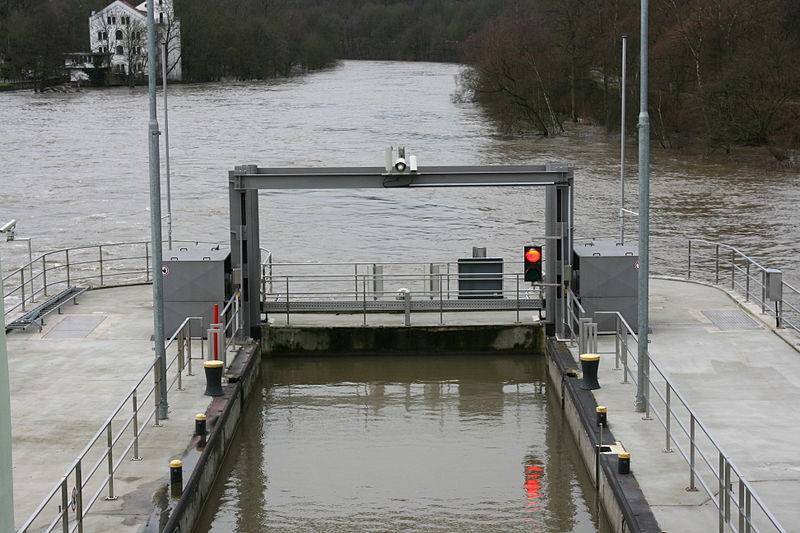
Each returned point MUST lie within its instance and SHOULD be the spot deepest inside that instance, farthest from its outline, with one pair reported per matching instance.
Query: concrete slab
(742, 382)
(65, 383)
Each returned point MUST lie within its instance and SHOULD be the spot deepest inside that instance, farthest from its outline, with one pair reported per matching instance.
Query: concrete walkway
(67, 380)
(740, 377)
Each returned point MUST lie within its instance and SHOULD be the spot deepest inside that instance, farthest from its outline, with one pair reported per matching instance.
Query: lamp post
(155, 216)
(9, 230)
(6, 484)
(164, 57)
(644, 222)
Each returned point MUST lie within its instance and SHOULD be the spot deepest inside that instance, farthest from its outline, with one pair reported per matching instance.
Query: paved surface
(68, 379)
(743, 381)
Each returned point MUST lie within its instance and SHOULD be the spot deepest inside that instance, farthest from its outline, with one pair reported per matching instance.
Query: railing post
(365, 298)
(188, 340)
(100, 247)
(716, 265)
(22, 286)
(67, 261)
(517, 276)
(180, 360)
(44, 275)
(646, 389)
(110, 457)
(741, 506)
(668, 419)
(441, 300)
(733, 270)
(157, 393)
(747, 282)
(287, 300)
(748, 514)
(689, 266)
(617, 340)
(763, 291)
(624, 356)
(727, 491)
(147, 261)
(64, 507)
(79, 496)
(721, 494)
(691, 487)
(355, 279)
(135, 401)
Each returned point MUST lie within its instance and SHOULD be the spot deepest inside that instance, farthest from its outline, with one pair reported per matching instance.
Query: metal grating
(732, 320)
(75, 327)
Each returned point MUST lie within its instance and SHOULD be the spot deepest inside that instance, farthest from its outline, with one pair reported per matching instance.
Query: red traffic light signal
(533, 263)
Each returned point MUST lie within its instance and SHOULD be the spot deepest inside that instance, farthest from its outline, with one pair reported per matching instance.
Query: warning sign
(165, 270)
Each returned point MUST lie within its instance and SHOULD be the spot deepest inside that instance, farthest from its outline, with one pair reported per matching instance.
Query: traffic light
(533, 263)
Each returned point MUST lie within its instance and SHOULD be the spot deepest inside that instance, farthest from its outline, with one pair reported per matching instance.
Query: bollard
(602, 416)
(199, 424)
(213, 378)
(624, 463)
(176, 478)
(589, 364)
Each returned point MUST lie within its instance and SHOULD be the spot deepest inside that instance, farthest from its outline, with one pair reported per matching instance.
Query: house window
(105, 36)
(118, 35)
(161, 18)
(113, 20)
(99, 36)
(108, 19)
(119, 50)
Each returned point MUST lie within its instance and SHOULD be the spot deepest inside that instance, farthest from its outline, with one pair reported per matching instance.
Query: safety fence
(709, 468)
(401, 287)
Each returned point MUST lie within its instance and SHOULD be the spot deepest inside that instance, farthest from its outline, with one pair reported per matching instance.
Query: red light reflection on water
(533, 492)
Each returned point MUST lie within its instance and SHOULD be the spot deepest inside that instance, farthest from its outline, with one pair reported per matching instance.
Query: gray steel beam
(246, 251)
(377, 177)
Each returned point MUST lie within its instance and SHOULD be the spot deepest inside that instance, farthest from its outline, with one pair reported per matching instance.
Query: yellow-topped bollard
(200, 424)
(624, 463)
(213, 371)
(590, 362)
(602, 416)
(176, 478)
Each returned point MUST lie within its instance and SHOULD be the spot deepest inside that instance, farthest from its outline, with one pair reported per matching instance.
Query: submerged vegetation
(722, 72)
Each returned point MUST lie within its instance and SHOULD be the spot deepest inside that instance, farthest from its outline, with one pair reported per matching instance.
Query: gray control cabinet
(195, 279)
(480, 277)
(606, 278)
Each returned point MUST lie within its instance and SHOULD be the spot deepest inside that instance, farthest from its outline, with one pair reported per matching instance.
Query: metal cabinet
(195, 279)
(606, 278)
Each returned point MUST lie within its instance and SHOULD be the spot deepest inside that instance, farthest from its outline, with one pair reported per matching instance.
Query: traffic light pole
(643, 367)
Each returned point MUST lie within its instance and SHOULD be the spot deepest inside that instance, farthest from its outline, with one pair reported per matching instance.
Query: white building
(120, 30)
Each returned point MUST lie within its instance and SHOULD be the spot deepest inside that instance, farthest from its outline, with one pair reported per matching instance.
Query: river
(74, 171)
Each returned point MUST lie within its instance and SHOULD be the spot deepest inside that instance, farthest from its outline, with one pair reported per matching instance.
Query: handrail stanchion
(517, 276)
(617, 340)
(110, 457)
(741, 505)
(22, 286)
(441, 299)
(365, 299)
(691, 487)
(79, 495)
(66, 253)
(135, 401)
(747, 282)
(64, 507)
(100, 249)
(733, 271)
(689, 262)
(44, 274)
(721, 494)
(716, 266)
(180, 360)
(157, 392)
(287, 300)
(668, 418)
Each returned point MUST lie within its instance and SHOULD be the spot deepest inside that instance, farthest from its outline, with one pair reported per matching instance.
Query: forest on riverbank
(723, 73)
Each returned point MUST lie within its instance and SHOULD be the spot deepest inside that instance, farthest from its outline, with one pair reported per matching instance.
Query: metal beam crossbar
(377, 177)
(392, 306)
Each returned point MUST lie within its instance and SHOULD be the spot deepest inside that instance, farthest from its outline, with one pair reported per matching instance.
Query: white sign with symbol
(636, 266)
(165, 270)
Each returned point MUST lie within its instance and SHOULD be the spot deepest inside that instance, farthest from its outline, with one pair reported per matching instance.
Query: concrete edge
(204, 463)
(623, 500)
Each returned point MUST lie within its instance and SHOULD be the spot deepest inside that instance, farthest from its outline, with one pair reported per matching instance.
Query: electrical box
(773, 284)
(195, 279)
(606, 278)
(480, 277)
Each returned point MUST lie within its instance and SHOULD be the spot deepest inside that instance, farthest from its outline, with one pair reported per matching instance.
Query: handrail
(181, 335)
(721, 498)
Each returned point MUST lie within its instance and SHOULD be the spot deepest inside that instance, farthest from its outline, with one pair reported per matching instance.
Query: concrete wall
(416, 340)
(622, 499)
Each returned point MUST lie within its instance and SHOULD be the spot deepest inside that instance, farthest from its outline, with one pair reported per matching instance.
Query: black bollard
(176, 478)
(213, 378)
(589, 364)
(199, 424)
(624, 463)
(602, 416)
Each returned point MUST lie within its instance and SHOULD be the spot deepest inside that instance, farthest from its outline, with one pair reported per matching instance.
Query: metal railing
(91, 474)
(727, 266)
(364, 288)
(710, 468)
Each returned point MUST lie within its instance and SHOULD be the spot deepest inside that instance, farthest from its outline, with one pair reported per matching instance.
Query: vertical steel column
(622, 88)
(245, 250)
(550, 262)
(155, 211)
(644, 218)
(6, 485)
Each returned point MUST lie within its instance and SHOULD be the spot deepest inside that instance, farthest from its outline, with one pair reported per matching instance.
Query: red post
(216, 321)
